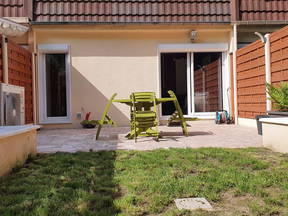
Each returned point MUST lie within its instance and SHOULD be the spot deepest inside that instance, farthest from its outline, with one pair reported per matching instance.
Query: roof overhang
(10, 28)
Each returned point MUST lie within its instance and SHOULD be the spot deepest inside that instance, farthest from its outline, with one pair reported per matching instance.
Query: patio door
(54, 84)
(196, 79)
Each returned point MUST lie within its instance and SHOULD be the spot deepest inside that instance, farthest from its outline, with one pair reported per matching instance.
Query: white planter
(275, 134)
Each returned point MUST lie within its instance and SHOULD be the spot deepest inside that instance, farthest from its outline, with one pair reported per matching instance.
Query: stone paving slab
(201, 134)
(193, 204)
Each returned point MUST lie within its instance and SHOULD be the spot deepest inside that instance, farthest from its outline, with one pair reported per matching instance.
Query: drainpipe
(32, 42)
(235, 73)
(268, 69)
(5, 58)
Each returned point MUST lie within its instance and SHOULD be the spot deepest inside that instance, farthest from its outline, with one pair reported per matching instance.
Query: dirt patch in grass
(231, 205)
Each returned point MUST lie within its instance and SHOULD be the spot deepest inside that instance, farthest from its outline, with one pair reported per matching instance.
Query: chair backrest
(143, 96)
(145, 99)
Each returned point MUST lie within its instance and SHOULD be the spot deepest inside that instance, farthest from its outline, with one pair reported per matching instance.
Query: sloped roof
(132, 11)
(272, 10)
(12, 8)
(145, 11)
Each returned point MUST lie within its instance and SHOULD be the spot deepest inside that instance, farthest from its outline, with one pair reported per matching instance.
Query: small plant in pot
(279, 96)
(86, 123)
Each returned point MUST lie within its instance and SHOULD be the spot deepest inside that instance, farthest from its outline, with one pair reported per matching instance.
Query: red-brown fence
(20, 74)
(279, 56)
(251, 94)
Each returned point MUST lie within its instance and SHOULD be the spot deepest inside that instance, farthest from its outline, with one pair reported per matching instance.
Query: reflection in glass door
(207, 82)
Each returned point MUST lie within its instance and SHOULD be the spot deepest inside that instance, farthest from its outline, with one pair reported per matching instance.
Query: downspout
(5, 58)
(32, 38)
(268, 69)
(235, 73)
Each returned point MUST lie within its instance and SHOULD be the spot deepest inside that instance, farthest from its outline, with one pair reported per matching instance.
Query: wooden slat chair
(144, 119)
(178, 114)
(105, 119)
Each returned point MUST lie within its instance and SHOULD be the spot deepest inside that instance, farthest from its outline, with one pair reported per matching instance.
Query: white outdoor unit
(12, 105)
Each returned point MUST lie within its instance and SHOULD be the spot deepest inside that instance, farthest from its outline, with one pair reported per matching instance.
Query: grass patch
(236, 182)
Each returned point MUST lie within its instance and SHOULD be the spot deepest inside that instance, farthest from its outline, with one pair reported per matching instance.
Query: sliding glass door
(196, 79)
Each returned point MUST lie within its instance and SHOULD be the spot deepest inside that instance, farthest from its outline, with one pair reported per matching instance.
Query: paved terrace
(201, 134)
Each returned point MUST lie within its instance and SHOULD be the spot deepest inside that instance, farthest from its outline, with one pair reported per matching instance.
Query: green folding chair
(144, 119)
(178, 114)
(105, 119)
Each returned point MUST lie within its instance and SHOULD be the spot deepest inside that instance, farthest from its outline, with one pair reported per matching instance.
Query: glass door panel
(174, 77)
(207, 82)
(56, 95)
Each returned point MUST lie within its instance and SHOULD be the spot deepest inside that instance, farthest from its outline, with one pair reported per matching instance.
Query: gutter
(261, 22)
(5, 59)
(127, 23)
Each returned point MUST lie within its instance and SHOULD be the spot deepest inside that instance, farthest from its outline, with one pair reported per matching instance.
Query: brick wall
(20, 74)
(251, 96)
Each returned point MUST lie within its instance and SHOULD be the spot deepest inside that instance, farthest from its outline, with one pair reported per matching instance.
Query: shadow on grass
(62, 184)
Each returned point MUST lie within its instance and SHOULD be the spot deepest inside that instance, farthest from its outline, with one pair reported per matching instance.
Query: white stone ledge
(7, 131)
(280, 121)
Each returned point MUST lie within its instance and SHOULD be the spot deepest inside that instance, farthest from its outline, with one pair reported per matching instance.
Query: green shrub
(278, 95)
(89, 123)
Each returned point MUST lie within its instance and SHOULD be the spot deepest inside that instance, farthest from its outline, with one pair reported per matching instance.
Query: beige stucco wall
(275, 137)
(109, 60)
(15, 149)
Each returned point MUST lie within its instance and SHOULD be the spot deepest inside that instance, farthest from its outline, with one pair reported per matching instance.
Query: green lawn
(236, 182)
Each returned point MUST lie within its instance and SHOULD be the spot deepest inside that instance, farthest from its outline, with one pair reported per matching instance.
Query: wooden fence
(279, 56)
(1, 63)
(251, 94)
(20, 73)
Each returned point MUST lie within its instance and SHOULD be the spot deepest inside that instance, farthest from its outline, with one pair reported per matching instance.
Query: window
(54, 84)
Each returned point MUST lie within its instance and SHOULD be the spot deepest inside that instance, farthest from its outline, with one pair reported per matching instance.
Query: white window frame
(53, 49)
(190, 49)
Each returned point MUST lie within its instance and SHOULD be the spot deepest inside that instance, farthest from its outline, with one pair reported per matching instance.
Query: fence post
(5, 58)
(267, 69)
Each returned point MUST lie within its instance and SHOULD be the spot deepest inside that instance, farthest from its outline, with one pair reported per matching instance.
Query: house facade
(84, 51)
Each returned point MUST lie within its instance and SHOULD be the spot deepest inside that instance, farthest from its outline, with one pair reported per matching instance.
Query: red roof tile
(132, 11)
(272, 10)
(12, 8)
(145, 11)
